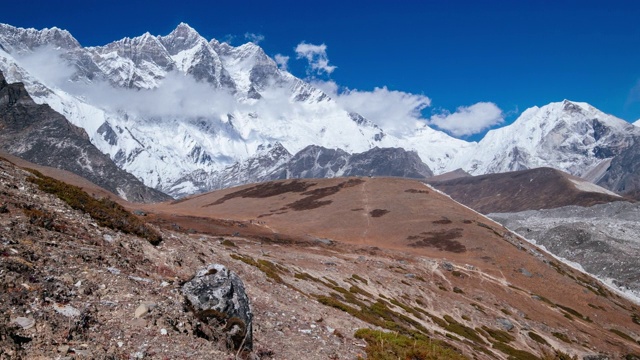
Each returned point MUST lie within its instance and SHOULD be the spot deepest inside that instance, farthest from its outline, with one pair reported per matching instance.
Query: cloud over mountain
(469, 120)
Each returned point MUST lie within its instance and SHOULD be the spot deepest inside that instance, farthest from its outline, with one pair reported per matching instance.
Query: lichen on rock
(218, 299)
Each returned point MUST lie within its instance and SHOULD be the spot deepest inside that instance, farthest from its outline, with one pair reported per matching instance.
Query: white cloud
(282, 61)
(316, 55)
(178, 95)
(469, 120)
(254, 38)
(397, 112)
(47, 65)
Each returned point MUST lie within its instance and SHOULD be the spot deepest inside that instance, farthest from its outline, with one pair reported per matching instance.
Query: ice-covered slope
(569, 136)
(173, 108)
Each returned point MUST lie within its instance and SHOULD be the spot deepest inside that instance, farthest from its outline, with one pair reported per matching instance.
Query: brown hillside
(458, 264)
(540, 188)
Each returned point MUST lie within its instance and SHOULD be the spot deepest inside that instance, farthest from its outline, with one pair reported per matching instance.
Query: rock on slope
(42, 136)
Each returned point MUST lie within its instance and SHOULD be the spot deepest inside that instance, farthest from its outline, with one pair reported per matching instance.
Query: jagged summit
(20, 40)
(570, 136)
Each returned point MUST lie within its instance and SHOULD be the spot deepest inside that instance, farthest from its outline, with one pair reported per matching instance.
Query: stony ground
(604, 239)
(72, 289)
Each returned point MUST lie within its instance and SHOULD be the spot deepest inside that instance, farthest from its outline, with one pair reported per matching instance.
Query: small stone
(66, 310)
(120, 343)
(107, 238)
(525, 272)
(447, 266)
(25, 323)
(142, 310)
(63, 349)
(83, 353)
(505, 324)
(163, 331)
(139, 323)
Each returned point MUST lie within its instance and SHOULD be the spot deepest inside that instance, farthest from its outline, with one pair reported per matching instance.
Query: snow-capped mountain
(637, 123)
(185, 114)
(173, 108)
(570, 136)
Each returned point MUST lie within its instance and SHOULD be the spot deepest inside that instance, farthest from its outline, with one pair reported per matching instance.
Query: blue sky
(514, 54)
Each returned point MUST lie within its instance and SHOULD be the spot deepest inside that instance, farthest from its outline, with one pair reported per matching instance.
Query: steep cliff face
(623, 173)
(319, 162)
(38, 134)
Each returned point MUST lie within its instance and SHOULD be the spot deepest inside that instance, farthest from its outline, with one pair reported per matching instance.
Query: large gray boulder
(217, 297)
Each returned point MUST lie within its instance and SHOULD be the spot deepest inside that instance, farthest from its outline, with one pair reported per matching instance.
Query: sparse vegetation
(43, 219)
(105, 212)
(359, 278)
(499, 335)
(514, 353)
(228, 243)
(562, 337)
(537, 338)
(623, 335)
(267, 267)
(389, 346)
(574, 313)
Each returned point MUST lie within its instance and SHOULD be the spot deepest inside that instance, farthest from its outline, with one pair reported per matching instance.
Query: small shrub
(359, 278)
(514, 353)
(43, 219)
(228, 243)
(562, 337)
(499, 335)
(389, 346)
(623, 335)
(105, 212)
(537, 338)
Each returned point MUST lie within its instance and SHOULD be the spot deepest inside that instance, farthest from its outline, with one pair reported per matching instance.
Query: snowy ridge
(570, 136)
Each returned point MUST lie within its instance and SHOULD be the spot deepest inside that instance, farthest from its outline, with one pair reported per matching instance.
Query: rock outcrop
(42, 136)
(218, 299)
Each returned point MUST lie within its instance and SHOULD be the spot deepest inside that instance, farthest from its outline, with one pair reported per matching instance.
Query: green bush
(391, 346)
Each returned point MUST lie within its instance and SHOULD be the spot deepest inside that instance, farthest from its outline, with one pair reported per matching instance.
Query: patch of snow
(590, 187)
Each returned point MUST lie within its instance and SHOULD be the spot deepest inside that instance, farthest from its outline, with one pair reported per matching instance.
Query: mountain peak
(181, 38)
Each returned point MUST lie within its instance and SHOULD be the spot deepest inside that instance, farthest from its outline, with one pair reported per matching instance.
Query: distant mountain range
(185, 115)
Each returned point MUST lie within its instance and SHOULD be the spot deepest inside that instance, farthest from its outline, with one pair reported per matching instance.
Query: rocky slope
(71, 288)
(602, 238)
(318, 162)
(41, 135)
(623, 172)
(541, 188)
